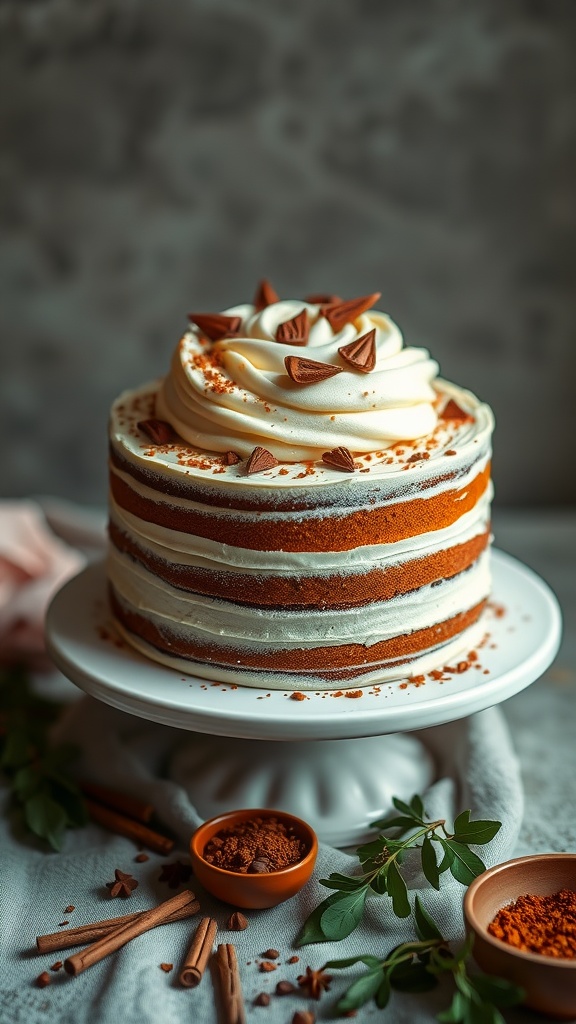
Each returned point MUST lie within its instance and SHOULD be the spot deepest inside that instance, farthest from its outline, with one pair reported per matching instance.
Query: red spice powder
(539, 924)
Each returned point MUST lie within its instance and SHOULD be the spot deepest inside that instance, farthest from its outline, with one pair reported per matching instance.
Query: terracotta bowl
(258, 891)
(550, 984)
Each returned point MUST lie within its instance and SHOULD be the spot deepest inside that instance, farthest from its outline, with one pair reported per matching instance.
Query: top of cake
(307, 391)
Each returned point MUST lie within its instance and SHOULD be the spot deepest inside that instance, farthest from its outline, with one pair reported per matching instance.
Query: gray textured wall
(162, 156)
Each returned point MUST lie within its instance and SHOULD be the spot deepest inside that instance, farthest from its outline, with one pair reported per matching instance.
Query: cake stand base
(338, 786)
(341, 759)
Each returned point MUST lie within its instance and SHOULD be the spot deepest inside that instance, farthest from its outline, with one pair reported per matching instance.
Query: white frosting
(376, 674)
(236, 394)
(190, 549)
(204, 619)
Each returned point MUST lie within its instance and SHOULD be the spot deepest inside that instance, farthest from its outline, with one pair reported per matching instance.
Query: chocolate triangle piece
(216, 325)
(230, 458)
(265, 296)
(342, 313)
(340, 458)
(361, 354)
(294, 331)
(309, 371)
(322, 299)
(260, 460)
(158, 431)
(452, 411)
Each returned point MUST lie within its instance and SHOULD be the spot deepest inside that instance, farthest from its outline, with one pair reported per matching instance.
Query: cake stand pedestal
(342, 758)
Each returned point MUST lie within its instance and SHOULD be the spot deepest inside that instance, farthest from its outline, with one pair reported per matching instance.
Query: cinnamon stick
(231, 989)
(124, 933)
(197, 956)
(122, 802)
(123, 826)
(90, 932)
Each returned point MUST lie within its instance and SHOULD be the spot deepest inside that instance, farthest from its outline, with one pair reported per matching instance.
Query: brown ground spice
(257, 845)
(539, 924)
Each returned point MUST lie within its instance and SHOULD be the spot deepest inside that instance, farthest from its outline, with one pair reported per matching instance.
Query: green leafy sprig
(37, 771)
(417, 966)
(339, 914)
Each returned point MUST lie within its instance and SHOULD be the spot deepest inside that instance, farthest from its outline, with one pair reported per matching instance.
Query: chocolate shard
(294, 331)
(309, 371)
(340, 458)
(361, 354)
(260, 460)
(322, 299)
(217, 326)
(230, 458)
(342, 313)
(265, 296)
(452, 411)
(158, 431)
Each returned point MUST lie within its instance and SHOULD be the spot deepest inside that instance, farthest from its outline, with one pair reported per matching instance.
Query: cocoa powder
(255, 846)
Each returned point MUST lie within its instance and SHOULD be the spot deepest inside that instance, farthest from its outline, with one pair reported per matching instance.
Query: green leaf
(447, 858)
(311, 930)
(402, 807)
(342, 916)
(383, 993)
(429, 865)
(462, 820)
(465, 949)
(365, 958)
(394, 822)
(497, 990)
(397, 890)
(457, 1011)
(478, 832)
(466, 865)
(482, 1013)
(441, 962)
(360, 991)
(417, 806)
(26, 782)
(412, 977)
(426, 927)
(45, 818)
(72, 804)
(345, 883)
(378, 884)
(369, 851)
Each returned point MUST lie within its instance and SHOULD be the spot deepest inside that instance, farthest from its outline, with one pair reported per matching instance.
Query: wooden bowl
(258, 891)
(549, 983)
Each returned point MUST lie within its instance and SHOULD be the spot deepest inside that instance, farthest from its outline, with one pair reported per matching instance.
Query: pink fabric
(34, 564)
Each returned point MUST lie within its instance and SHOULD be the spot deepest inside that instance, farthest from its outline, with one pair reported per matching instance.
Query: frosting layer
(236, 393)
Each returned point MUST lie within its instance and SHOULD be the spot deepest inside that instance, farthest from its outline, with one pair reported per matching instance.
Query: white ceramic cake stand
(343, 758)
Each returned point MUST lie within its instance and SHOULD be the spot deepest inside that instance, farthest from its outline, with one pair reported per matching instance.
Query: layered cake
(300, 502)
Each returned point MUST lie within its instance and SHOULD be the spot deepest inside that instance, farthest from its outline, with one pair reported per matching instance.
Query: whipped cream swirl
(235, 393)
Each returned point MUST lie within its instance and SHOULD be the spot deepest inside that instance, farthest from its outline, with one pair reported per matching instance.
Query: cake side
(303, 574)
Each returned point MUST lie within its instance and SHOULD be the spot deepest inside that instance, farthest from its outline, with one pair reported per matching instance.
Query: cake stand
(345, 753)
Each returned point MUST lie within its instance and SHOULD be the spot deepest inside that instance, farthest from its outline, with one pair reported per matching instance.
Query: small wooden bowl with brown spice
(252, 842)
(549, 981)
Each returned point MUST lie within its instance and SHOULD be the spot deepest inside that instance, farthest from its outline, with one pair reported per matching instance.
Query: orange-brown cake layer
(387, 524)
(339, 590)
(312, 659)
